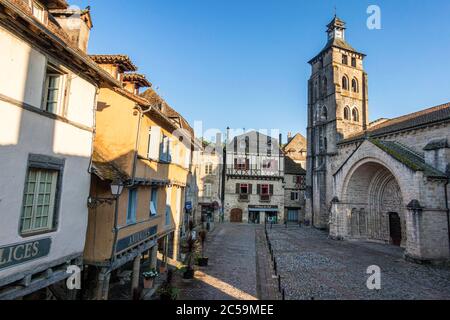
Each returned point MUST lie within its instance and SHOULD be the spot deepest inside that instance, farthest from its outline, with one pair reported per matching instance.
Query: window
(347, 113)
(207, 190)
(53, 94)
(153, 202)
(132, 205)
(354, 62)
(39, 204)
(295, 196)
(164, 149)
(267, 164)
(355, 87)
(265, 190)
(355, 115)
(344, 59)
(345, 82)
(324, 86)
(168, 205)
(209, 168)
(324, 114)
(243, 188)
(241, 164)
(37, 10)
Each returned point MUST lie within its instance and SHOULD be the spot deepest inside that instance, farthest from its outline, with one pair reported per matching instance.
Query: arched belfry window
(324, 113)
(324, 86)
(345, 82)
(347, 113)
(355, 87)
(355, 115)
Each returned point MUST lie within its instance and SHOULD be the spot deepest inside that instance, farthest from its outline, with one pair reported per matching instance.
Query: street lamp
(116, 191)
(116, 188)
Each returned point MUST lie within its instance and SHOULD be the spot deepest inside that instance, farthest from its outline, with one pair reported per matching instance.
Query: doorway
(395, 229)
(236, 216)
(254, 217)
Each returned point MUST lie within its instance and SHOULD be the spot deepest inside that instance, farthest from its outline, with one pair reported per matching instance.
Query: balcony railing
(254, 172)
(244, 197)
(265, 198)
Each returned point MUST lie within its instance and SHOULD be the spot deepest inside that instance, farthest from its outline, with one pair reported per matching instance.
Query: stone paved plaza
(313, 266)
(239, 264)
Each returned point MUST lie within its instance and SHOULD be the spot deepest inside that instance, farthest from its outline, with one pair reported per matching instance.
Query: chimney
(289, 137)
(76, 23)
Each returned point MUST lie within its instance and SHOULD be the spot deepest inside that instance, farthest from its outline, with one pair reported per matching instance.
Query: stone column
(136, 274)
(153, 257)
(102, 288)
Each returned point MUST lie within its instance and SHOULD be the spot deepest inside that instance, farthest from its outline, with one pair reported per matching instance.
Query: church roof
(336, 43)
(411, 159)
(410, 121)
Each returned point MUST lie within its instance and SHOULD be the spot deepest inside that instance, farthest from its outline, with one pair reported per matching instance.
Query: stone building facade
(296, 149)
(294, 191)
(386, 181)
(208, 162)
(254, 190)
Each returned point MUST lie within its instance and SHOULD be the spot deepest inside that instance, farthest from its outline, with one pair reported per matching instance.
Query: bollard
(275, 265)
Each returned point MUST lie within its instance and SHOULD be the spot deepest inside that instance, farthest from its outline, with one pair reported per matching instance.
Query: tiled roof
(435, 114)
(408, 157)
(106, 170)
(123, 60)
(291, 167)
(139, 79)
(55, 4)
(335, 43)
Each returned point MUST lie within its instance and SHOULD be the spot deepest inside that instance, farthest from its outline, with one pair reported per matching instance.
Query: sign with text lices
(23, 252)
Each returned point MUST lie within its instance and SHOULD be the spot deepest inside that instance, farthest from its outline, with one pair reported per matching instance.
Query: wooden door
(236, 216)
(395, 228)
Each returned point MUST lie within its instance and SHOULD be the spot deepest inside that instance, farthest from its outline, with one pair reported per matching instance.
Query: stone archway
(372, 194)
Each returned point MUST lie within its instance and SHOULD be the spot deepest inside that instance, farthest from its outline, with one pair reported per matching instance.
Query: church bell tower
(337, 109)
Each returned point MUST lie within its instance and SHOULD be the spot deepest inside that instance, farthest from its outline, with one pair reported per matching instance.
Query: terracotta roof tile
(123, 60)
(139, 79)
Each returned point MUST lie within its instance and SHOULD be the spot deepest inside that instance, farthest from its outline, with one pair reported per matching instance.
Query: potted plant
(167, 291)
(149, 277)
(202, 261)
(189, 270)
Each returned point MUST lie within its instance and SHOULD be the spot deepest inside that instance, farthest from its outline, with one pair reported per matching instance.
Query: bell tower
(337, 108)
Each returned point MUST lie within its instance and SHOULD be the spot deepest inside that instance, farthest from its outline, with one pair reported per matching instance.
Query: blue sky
(243, 63)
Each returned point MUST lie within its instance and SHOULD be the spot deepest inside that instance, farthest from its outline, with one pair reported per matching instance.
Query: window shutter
(153, 151)
(247, 164)
(250, 191)
(235, 163)
(238, 186)
(258, 189)
(292, 196)
(271, 189)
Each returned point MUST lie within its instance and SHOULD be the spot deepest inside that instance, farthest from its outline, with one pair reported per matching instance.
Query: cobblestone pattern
(313, 266)
(231, 273)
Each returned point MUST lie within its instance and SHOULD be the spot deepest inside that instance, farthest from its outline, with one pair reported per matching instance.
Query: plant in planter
(189, 272)
(202, 261)
(149, 277)
(167, 291)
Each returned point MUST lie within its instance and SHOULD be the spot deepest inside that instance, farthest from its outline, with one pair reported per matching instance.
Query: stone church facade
(383, 181)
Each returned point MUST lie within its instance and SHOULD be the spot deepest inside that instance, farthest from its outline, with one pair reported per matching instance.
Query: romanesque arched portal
(373, 198)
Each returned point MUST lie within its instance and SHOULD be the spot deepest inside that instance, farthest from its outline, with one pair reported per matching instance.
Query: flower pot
(202, 262)
(188, 274)
(148, 283)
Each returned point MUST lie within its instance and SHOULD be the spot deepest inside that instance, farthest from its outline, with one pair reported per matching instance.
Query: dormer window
(37, 10)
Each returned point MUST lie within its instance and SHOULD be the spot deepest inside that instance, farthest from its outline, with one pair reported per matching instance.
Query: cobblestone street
(234, 272)
(315, 267)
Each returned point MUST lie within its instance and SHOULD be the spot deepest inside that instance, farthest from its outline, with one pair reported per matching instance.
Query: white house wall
(23, 132)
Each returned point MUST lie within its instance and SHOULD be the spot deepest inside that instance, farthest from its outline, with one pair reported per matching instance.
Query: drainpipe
(141, 114)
